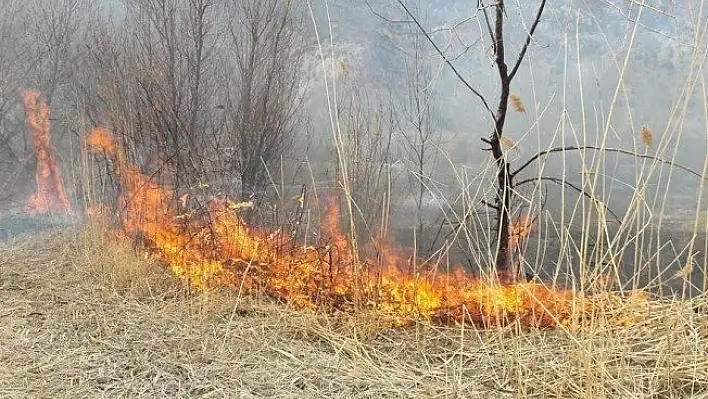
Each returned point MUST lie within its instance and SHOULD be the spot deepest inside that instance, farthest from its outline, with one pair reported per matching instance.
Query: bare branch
(446, 59)
(498, 46)
(490, 205)
(528, 40)
(566, 183)
(480, 5)
(616, 150)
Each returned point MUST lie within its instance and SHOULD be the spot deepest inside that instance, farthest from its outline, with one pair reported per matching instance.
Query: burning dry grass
(217, 249)
(83, 316)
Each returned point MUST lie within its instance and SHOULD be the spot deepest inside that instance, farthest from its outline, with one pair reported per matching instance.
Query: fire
(50, 195)
(148, 211)
(330, 229)
(218, 249)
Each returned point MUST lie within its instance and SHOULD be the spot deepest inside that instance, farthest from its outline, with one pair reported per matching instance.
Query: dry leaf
(509, 144)
(685, 271)
(517, 104)
(647, 136)
(186, 215)
(343, 67)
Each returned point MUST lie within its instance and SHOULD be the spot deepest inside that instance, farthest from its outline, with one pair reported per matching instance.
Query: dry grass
(82, 316)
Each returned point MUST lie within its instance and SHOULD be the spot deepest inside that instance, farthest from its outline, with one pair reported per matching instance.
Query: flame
(148, 211)
(50, 195)
(218, 249)
(330, 229)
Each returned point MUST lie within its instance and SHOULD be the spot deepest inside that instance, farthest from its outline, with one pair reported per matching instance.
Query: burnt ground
(17, 222)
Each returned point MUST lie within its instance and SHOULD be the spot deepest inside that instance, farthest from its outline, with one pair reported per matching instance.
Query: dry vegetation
(83, 315)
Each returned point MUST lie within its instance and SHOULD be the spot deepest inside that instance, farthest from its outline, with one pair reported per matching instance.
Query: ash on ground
(19, 222)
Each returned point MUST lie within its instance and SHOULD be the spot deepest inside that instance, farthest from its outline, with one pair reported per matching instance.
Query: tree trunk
(504, 178)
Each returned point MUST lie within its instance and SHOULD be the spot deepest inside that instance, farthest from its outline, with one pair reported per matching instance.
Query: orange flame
(330, 229)
(218, 249)
(148, 211)
(50, 195)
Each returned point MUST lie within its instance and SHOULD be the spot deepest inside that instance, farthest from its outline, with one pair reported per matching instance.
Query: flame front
(218, 249)
(50, 195)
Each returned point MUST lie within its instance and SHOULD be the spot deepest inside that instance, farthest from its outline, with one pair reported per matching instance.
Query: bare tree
(367, 144)
(38, 43)
(155, 78)
(494, 26)
(54, 28)
(265, 90)
(201, 91)
(13, 66)
(418, 125)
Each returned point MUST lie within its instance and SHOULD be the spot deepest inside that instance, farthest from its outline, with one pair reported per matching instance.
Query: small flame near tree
(219, 250)
(50, 195)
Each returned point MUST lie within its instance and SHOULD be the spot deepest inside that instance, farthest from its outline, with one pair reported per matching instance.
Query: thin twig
(485, 202)
(560, 181)
(481, 6)
(528, 40)
(447, 60)
(617, 150)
